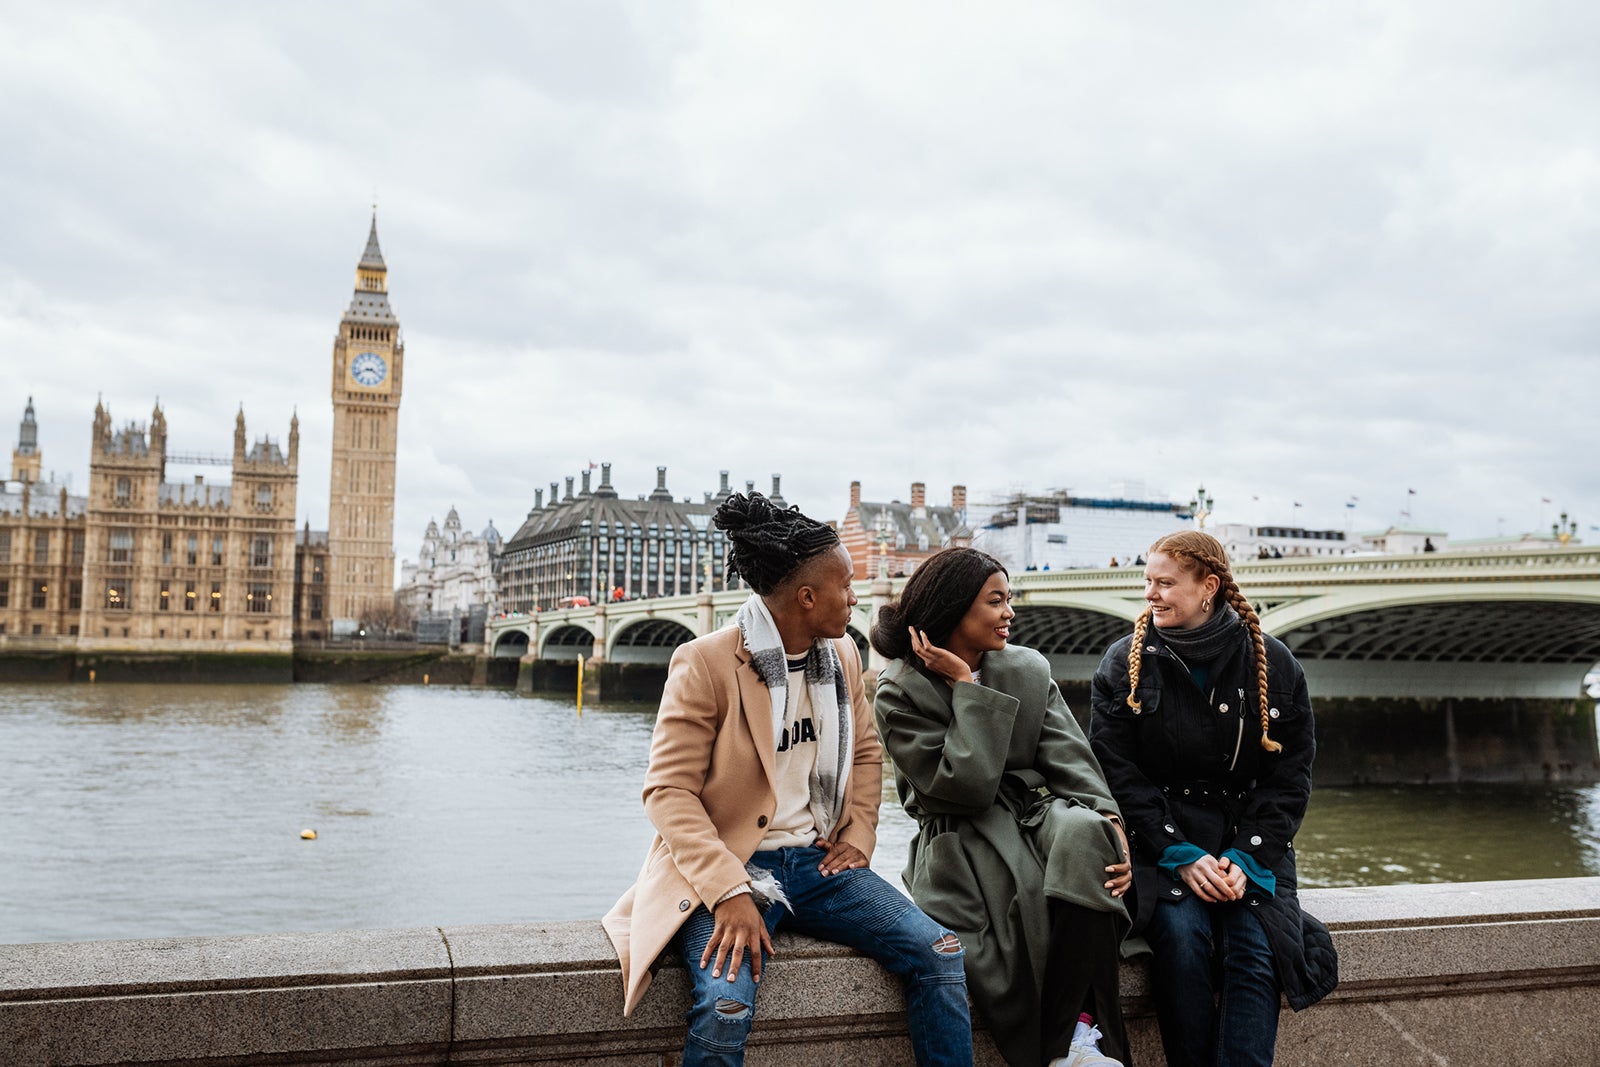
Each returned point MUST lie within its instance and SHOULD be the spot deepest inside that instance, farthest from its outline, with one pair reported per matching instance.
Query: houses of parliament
(140, 563)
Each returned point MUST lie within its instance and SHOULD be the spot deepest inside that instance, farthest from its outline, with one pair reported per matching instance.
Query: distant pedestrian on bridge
(764, 781)
(1203, 725)
(1018, 846)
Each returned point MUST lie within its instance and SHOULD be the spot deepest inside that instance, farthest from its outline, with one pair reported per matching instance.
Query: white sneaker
(1083, 1056)
(1085, 1048)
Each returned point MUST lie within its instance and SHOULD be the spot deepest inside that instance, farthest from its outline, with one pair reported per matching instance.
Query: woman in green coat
(1019, 847)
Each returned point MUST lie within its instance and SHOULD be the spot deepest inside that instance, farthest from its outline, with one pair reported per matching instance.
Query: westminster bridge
(1441, 666)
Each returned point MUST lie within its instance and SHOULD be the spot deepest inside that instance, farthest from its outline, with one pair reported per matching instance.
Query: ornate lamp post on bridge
(883, 543)
(1201, 504)
(1564, 531)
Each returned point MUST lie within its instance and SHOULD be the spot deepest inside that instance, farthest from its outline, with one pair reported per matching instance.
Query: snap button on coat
(683, 905)
(1255, 839)
(1223, 708)
(762, 821)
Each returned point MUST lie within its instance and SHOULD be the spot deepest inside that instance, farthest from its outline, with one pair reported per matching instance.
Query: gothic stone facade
(186, 563)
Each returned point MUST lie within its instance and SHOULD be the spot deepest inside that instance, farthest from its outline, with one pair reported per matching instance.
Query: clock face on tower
(369, 369)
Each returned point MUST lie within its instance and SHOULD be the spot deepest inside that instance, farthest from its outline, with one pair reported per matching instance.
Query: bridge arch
(1072, 638)
(648, 640)
(862, 645)
(511, 644)
(568, 641)
(1454, 646)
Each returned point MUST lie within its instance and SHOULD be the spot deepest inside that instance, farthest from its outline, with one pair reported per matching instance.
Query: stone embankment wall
(1482, 973)
(406, 665)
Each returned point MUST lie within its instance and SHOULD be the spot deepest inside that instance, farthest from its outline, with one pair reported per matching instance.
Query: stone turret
(26, 460)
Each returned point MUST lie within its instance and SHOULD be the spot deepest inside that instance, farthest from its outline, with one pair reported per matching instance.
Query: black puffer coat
(1189, 766)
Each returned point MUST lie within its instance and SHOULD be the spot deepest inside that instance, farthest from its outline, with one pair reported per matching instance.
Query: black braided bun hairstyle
(767, 544)
(935, 599)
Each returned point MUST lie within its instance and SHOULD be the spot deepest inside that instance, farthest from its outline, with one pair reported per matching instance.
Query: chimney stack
(919, 495)
(855, 494)
(958, 497)
(661, 492)
(555, 493)
(569, 487)
(723, 490)
(585, 491)
(538, 499)
(776, 496)
(605, 476)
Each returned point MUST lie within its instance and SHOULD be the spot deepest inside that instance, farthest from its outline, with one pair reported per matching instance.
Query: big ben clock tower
(368, 360)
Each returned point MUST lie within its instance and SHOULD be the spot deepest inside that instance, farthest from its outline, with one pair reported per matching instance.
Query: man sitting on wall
(763, 786)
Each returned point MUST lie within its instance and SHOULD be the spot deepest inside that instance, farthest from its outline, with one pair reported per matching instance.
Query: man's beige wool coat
(709, 793)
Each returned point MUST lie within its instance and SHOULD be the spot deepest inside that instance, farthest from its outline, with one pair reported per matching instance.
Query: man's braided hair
(767, 543)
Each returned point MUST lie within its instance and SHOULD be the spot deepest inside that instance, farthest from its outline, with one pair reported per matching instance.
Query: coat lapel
(755, 704)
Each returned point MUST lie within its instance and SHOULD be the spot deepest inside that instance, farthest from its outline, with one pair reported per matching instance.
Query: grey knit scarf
(1206, 643)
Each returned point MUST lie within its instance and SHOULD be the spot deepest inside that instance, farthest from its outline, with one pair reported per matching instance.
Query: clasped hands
(1214, 879)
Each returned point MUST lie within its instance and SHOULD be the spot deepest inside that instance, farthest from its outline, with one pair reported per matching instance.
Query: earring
(1205, 605)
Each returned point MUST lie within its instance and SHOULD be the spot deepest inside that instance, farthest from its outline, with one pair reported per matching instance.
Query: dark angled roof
(905, 528)
(372, 258)
(43, 498)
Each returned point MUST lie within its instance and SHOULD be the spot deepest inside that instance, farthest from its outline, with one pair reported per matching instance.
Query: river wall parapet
(1464, 974)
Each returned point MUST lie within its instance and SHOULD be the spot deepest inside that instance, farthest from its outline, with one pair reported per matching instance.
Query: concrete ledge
(1478, 973)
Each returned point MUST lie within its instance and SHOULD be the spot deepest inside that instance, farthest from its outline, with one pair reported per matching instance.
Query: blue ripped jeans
(855, 908)
(1203, 1025)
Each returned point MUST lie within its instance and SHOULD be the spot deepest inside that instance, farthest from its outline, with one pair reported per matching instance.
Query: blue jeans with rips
(855, 908)
(1198, 948)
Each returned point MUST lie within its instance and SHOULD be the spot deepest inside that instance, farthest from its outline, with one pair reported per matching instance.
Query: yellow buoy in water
(308, 835)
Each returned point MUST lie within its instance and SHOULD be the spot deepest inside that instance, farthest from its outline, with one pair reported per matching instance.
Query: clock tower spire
(368, 360)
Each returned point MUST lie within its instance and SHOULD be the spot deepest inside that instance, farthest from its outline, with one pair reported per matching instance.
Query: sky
(1305, 255)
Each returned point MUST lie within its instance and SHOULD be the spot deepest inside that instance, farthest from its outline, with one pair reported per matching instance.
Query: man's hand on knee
(739, 927)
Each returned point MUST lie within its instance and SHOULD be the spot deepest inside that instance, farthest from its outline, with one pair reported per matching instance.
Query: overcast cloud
(1298, 253)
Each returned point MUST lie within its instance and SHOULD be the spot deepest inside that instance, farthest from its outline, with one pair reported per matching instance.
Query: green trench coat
(1010, 806)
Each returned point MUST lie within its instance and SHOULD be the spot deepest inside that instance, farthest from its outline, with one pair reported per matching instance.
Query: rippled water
(135, 811)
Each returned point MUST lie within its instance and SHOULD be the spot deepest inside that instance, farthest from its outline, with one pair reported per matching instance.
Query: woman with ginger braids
(1203, 726)
(1018, 849)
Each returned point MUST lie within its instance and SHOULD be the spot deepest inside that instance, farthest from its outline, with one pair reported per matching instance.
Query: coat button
(683, 905)
(761, 821)
(1169, 828)
(1185, 792)
(1149, 648)
(1177, 892)
(1255, 902)
(1223, 708)
(1255, 839)
(1272, 713)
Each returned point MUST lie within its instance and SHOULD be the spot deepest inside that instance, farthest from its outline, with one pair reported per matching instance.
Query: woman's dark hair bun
(889, 634)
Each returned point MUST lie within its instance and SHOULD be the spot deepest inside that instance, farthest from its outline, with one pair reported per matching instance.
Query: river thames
(152, 811)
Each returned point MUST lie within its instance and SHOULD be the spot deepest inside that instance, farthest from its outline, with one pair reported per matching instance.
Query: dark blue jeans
(1214, 985)
(855, 908)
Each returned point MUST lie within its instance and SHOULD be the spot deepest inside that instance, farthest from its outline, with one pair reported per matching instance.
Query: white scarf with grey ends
(830, 705)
